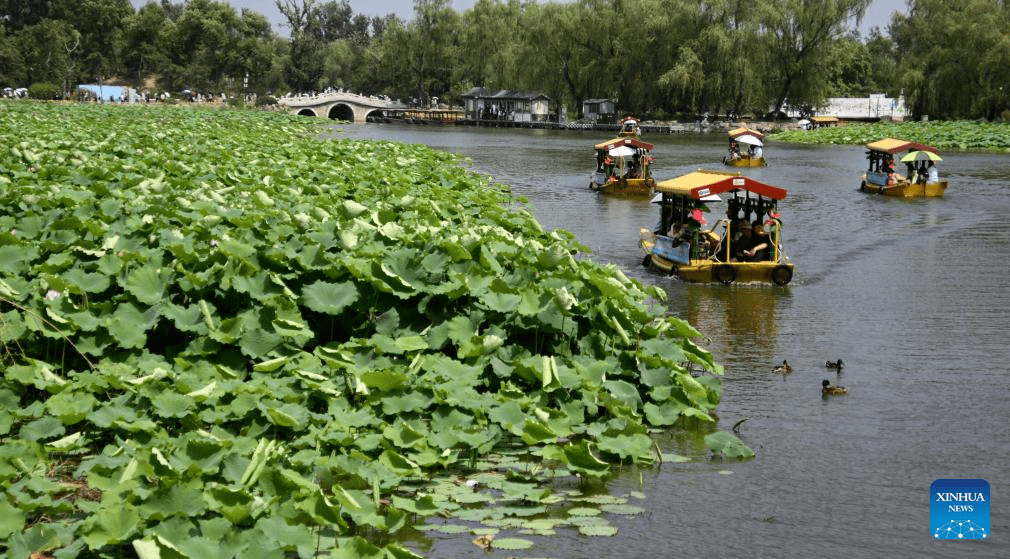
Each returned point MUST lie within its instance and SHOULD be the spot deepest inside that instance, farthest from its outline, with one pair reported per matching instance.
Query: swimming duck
(828, 388)
(834, 364)
(785, 367)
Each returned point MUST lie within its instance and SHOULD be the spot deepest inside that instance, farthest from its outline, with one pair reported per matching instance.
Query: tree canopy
(654, 57)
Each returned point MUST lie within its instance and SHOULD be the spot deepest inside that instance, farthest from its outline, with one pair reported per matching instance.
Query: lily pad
(598, 530)
(511, 544)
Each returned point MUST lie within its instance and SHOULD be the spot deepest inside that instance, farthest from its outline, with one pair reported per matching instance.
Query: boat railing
(779, 254)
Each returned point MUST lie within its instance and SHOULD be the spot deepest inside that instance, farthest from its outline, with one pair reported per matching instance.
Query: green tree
(256, 48)
(422, 54)
(101, 24)
(720, 63)
(49, 50)
(954, 57)
(799, 36)
(12, 67)
(18, 14)
(306, 63)
(883, 71)
(339, 63)
(490, 34)
(851, 69)
(298, 14)
(558, 59)
(142, 54)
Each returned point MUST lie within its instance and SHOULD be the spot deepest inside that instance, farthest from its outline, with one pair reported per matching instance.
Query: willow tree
(430, 52)
(558, 60)
(955, 56)
(799, 36)
(633, 69)
(719, 63)
(492, 37)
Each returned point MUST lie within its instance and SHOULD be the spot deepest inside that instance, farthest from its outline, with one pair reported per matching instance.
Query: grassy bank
(963, 135)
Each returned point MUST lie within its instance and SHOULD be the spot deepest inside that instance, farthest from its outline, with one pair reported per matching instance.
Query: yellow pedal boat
(623, 168)
(736, 248)
(921, 178)
(753, 141)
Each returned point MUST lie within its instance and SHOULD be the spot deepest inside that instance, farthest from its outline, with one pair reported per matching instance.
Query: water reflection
(744, 313)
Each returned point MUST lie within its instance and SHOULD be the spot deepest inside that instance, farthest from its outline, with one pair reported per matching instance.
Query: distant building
(593, 109)
(516, 106)
(874, 107)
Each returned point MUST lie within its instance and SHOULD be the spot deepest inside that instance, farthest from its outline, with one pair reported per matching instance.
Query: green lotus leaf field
(225, 335)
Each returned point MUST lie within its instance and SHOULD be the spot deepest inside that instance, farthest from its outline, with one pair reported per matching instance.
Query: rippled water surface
(912, 294)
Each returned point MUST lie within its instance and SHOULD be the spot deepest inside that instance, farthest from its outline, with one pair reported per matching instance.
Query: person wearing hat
(757, 248)
(741, 241)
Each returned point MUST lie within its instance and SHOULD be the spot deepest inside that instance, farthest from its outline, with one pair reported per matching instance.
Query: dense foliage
(220, 332)
(658, 58)
(953, 56)
(957, 135)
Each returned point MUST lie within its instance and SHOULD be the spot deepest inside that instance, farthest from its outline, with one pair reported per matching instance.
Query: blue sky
(879, 13)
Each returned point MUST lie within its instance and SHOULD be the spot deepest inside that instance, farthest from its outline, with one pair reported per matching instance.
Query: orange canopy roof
(892, 146)
(736, 132)
(630, 142)
(703, 183)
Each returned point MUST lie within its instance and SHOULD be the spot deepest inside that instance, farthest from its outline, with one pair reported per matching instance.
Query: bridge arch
(341, 111)
(340, 105)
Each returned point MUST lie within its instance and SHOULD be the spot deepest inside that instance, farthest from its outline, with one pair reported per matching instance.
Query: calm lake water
(912, 294)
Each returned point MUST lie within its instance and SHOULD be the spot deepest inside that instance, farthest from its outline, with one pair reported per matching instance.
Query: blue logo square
(959, 509)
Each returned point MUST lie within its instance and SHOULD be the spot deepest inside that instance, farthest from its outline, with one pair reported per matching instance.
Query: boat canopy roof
(630, 142)
(892, 146)
(702, 183)
(737, 132)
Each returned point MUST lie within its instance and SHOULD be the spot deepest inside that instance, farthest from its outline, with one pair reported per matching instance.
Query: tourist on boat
(741, 242)
(741, 230)
(933, 175)
(734, 151)
(758, 152)
(758, 244)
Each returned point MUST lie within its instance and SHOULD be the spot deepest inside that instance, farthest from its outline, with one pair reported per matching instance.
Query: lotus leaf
(728, 445)
(511, 544)
(591, 520)
(598, 530)
(111, 526)
(622, 509)
(580, 457)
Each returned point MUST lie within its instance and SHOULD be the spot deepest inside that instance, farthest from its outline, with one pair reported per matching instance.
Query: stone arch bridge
(340, 105)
